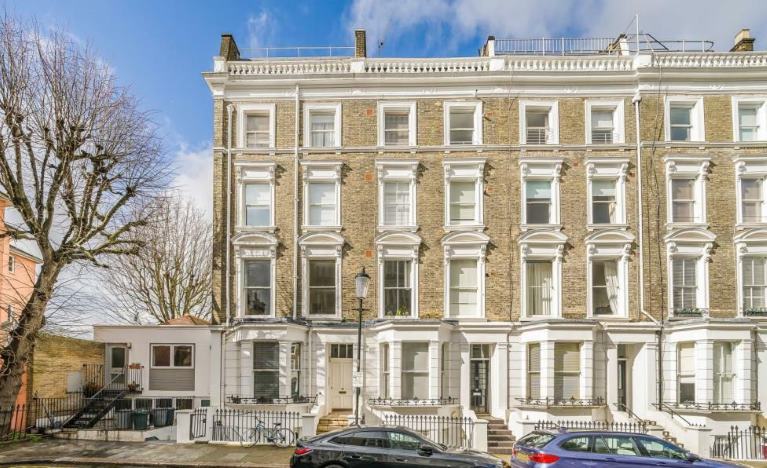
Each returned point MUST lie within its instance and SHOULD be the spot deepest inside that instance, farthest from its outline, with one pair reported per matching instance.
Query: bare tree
(79, 162)
(171, 275)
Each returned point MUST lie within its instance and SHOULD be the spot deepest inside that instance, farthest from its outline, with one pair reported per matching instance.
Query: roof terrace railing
(621, 45)
(292, 52)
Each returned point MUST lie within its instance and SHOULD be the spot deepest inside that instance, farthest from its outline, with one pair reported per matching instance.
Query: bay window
(534, 371)
(724, 377)
(567, 371)
(686, 373)
(415, 370)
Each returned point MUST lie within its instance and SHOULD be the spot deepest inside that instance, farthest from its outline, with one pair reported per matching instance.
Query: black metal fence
(233, 425)
(14, 422)
(413, 402)
(198, 423)
(455, 432)
(637, 427)
(741, 444)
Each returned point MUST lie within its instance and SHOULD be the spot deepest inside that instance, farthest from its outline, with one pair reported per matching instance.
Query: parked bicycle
(276, 435)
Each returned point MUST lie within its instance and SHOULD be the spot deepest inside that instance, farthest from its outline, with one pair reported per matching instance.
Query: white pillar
(246, 362)
(761, 369)
(547, 369)
(465, 373)
(743, 368)
(587, 370)
(434, 369)
(517, 375)
(214, 364)
(611, 382)
(395, 370)
(704, 371)
(499, 390)
(647, 391)
(284, 368)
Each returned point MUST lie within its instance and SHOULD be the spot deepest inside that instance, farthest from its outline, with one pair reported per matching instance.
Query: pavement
(55, 452)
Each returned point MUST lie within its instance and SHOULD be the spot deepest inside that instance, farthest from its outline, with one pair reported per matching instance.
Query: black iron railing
(234, 399)
(563, 402)
(670, 409)
(690, 312)
(455, 432)
(717, 406)
(14, 422)
(741, 444)
(413, 402)
(638, 427)
(128, 378)
(232, 425)
(198, 423)
(755, 312)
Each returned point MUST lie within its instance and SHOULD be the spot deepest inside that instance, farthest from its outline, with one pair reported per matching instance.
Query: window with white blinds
(415, 370)
(604, 201)
(396, 203)
(534, 371)
(683, 201)
(748, 122)
(685, 283)
(396, 127)
(602, 126)
(567, 371)
(322, 203)
(462, 125)
(258, 204)
(464, 289)
(751, 200)
(257, 131)
(538, 202)
(322, 128)
(686, 372)
(266, 370)
(724, 375)
(539, 288)
(444, 371)
(754, 282)
(463, 203)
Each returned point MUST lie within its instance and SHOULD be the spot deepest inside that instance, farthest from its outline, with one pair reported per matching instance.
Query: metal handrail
(668, 409)
(626, 409)
(564, 402)
(625, 43)
(413, 401)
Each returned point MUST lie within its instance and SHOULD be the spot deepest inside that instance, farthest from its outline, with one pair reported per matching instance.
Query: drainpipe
(227, 273)
(295, 210)
(640, 222)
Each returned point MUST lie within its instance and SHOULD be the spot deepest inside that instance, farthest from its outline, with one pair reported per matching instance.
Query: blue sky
(159, 47)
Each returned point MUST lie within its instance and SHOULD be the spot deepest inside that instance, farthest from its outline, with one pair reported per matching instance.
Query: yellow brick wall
(55, 357)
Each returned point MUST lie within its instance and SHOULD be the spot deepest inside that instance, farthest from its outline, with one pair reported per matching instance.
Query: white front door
(341, 390)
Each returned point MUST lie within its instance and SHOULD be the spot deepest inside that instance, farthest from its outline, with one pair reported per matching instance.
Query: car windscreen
(536, 439)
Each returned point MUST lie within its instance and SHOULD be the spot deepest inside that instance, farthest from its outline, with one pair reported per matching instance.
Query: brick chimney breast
(743, 41)
(229, 48)
(360, 43)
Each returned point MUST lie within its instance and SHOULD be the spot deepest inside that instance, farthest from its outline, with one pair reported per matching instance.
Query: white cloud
(194, 177)
(261, 32)
(448, 23)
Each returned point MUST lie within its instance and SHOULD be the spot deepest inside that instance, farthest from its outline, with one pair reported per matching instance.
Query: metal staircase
(105, 399)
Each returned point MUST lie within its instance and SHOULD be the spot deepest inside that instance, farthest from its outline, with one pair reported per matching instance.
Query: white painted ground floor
(693, 378)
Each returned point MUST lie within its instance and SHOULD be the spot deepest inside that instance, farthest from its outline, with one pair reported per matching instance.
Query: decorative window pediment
(608, 253)
(398, 274)
(255, 254)
(686, 189)
(255, 188)
(613, 242)
(751, 190)
(397, 180)
(690, 239)
(464, 193)
(606, 184)
(322, 195)
(688, 252)
(464, 255)
(542, 241)
(322, 243)
(751, 251)
(751, 238)
(461, 239)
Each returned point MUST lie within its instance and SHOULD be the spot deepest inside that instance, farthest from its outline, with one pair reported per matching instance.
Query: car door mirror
(691, 457)
(426, 450)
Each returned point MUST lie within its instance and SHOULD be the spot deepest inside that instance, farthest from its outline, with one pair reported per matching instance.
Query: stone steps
(332, 422)
(500, 440)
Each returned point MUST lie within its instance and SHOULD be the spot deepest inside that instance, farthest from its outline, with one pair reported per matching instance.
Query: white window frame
(539, 169)
(397, 171)
(254, 246)
(750, 167)
(617, 108)
(465, 170)
(609, 245)
(321, 171)
(428, 371)
(321, 246)
(687, 167)
(748, 243)
(322, 107)
(552, 136)
(542, 245)
(395, 246)
(172, 347)
(254, 172)
(613, 170)
(243, 110)
(760, 103)
(397, 106)
(695, 243)
(697, 121)
(476, 106)
(465, 245)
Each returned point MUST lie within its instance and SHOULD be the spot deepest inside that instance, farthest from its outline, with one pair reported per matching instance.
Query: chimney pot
(743, 41)
(360, 43)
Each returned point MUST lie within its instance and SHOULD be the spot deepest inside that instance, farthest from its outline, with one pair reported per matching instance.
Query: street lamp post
(361, 283)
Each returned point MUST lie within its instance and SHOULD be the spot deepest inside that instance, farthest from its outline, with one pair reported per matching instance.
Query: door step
(500, 440)
(333, 421)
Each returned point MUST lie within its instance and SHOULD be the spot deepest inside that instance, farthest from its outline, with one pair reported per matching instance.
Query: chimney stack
(360, 44)
(743, 41)
(229, 48)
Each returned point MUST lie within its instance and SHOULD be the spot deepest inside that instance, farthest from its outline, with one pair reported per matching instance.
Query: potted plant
(90, 389)
(134, 365)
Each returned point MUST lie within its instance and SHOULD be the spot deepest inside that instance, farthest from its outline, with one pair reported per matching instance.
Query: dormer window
(539, 122)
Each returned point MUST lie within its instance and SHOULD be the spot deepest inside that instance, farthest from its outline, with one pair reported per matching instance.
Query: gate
(198, 423)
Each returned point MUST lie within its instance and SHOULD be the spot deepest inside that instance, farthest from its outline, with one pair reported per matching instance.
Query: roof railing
(624, 44)
(293, 52)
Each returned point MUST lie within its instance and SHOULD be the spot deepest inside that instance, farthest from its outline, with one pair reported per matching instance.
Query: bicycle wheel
(284, 437)
(249, 438)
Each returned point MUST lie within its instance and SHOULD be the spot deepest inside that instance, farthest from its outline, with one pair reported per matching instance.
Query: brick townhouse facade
(577, 235)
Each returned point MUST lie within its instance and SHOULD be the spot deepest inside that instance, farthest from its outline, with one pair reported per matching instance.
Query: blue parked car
(602, 449)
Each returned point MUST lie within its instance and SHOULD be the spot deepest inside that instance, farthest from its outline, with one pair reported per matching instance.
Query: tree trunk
(21, 342)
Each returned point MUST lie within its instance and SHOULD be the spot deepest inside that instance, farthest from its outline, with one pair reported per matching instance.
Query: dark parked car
(383, 447)
(604, 449)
